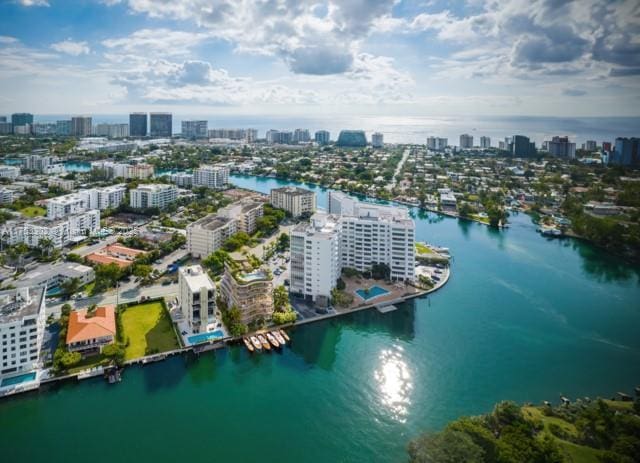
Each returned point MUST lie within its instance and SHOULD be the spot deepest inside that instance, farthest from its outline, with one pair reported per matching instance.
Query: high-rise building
(297, 201)
(197, 298)
(485, 142)
(606, 146)
(301, 136)
(81, 126)
(37, 162)
(315, 263)
(208, 234)
(153, 195)
(138, 124)
(377, 140)
(590, 145)
(21, 119)
(522, 147)
(161, 124)
(466, 141)
(3, 118)
(437, 144)
(322, 137)
(63, 128)
(626, 152)
(352, 139)
(111, 130)
(6, 128)
(43, 128)
(562, 147)
(22, 324)
(194, 129)
(216, 177)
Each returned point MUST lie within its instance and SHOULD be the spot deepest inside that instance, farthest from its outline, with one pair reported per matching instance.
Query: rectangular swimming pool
(371, 293)
(14, 380)
(204, 337)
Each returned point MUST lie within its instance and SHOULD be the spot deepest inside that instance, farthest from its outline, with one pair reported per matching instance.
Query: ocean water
(417, 129)
(523, 317)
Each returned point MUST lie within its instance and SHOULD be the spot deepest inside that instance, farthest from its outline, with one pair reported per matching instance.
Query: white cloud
(154, 42)
(71, 48)
(33, 2)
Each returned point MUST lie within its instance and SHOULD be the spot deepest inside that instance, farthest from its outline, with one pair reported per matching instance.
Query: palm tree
(71, 286)
(45, 245)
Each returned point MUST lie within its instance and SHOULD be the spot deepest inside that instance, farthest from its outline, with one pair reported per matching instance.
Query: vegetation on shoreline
(586, 431)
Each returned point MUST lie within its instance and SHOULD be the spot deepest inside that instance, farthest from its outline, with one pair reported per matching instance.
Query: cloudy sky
(385, 57)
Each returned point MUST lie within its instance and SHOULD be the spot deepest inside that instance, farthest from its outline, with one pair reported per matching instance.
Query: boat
(284, 334)
(256, 343)
(279, 338)
(272, 339)
(264, 342)
(248, 344)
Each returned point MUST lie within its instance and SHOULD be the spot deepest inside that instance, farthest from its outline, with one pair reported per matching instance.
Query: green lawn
(88, 362)
(148, 328)
(33, 211)
(422, 249)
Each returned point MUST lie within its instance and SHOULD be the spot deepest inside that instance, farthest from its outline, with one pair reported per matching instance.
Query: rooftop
(84, 326)
(293, 190)
(43, 273)
(196, 278)
(18, 303)
(211, 222)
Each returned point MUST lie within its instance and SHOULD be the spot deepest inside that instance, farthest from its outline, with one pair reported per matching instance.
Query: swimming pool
(204, 337)
(14, 380)
(373, 292)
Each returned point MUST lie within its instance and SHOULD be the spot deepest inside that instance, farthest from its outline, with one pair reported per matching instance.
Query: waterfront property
(251, 292)
(296, 201)
(205, 337)
(90, 330)
(22, 321)
(372, 292)
(197, 298)
(147, 328)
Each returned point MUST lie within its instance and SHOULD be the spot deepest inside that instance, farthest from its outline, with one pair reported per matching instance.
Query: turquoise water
(522, 317)
(374, 291)
(13, 380)
(76, 166)
(204, 337)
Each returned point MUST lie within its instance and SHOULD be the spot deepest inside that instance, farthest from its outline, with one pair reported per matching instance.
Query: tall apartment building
(522, 147)
(245, 212)
(377, 140)
(626, 152)
(110, 197)
(111, 130)
(138, 124)
(84, 200)
(251, 292)
(194, 129)
(279, 137)
(22, 322)
(63, 128)
(301, 136)
(197, 298)
(81, 126)
(43, 128)
(590, 145)
(161, 124)
(208, 234)
(466, 141)
(315, 258)
(250, 135)
(297, 201)
(37, 162)
(6, 196)
(6, 128)
(485, 142)
(141, 171)
(437, 144)
(322, 137)
(152, 195)
(562, 147)
(21, 119)
(216, 177)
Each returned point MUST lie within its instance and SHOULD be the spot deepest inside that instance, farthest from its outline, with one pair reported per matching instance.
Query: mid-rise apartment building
(377, 140)
(6, 196)
(197, 298)
(81, 126)
(297, 201)
(84, 200)
(251, 292)
(60, 231)
(10, 172)
(22, 322)
(245, 212)
(216, 177)
(208, 234)
(154, 195)
(194, 129)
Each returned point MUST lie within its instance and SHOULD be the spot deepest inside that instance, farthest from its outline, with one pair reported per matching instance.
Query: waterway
(523, 318)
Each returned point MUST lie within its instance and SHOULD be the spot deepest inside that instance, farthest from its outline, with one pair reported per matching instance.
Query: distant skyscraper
(3, 118)
(606, 146)
(160, 124)
(322, 137)
(626, 152)
(21, 119)
(466, 141)
(6, 128)
(352, 138)
(194, 129)
(377, 140)
(63, 128)
(437, 144)
(138, 124)
(301, 136)
(561, 147)
(81, 126)
(522, 147)
(485, 142)
(590, 145)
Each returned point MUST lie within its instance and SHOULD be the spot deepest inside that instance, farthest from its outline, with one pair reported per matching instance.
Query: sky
(338, 57)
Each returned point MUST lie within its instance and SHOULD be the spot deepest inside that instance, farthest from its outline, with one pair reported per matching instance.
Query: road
(258, 251)
(396, 174)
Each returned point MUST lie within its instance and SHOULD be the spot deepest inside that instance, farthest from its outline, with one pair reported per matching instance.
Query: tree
(446, 447)
(114, 351)
(107, 275)
(280, 299)
(71, 257)
(283, 242)
(142, 271)
(232, 319)
(45, 245)
(215, 261)
(236, 241)
(71, 286)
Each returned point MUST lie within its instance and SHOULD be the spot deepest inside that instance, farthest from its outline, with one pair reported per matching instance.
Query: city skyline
(347, 57)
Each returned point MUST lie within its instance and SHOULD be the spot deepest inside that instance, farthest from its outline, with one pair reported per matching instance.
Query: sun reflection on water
(394, 383)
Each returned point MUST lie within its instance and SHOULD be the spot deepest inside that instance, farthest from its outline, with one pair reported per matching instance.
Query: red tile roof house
(89, 332)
